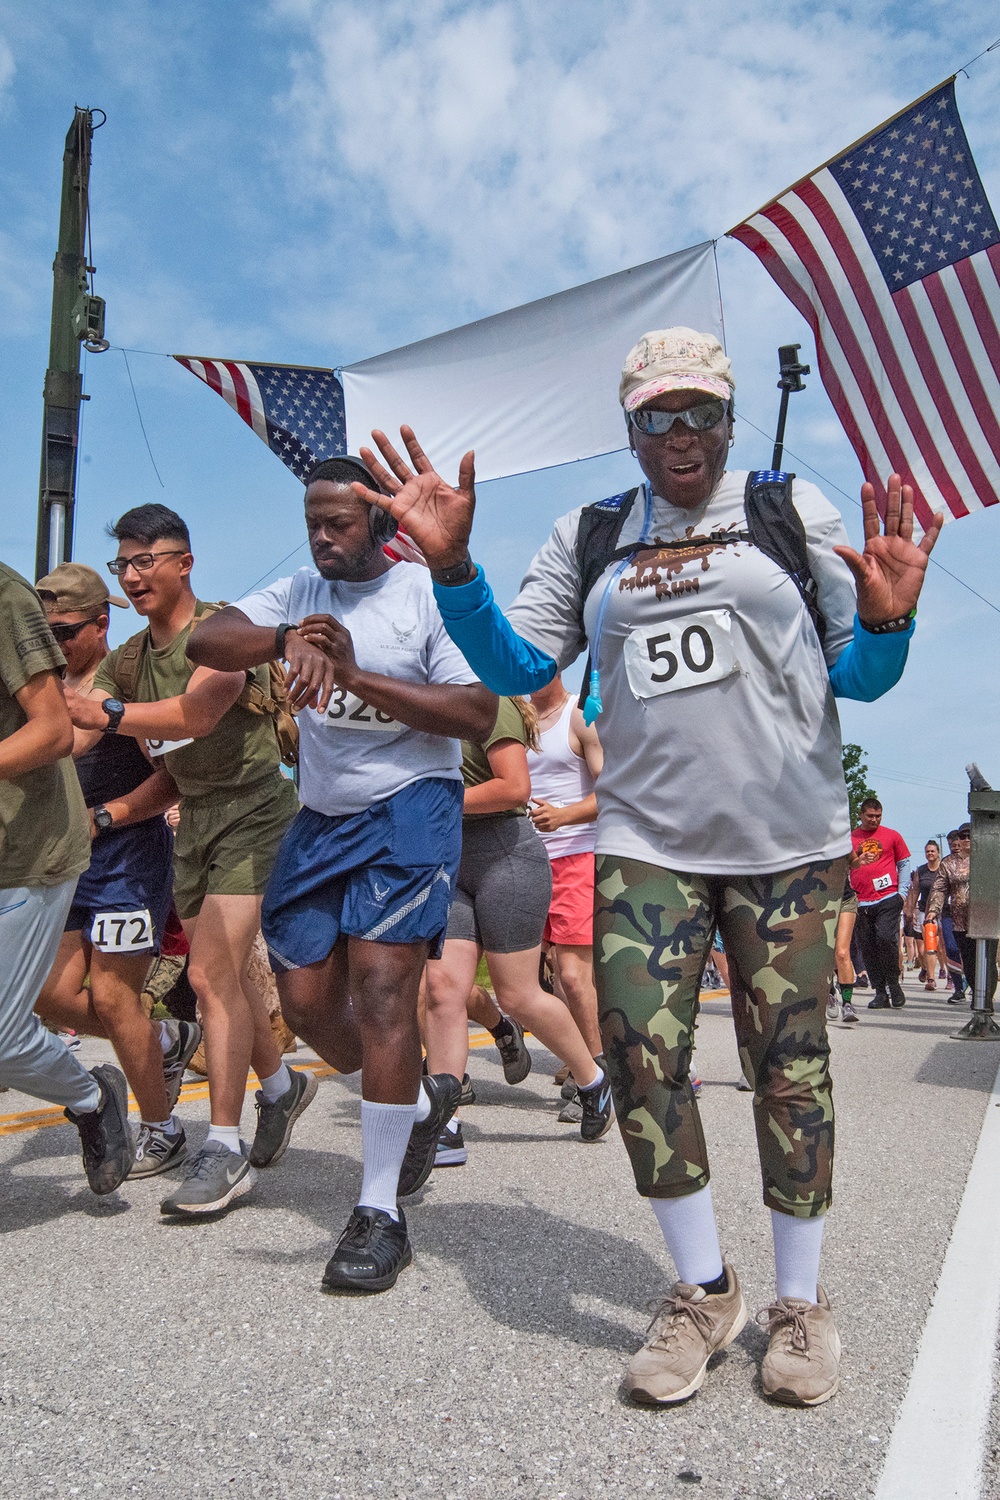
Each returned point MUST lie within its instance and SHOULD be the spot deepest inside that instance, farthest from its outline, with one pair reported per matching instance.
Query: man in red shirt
(883, 860)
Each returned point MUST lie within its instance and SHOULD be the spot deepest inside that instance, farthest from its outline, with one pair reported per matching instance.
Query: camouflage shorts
(653, 931)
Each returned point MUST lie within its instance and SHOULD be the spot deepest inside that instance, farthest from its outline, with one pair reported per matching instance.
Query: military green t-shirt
(476, 767)
(240, 750)
(44, 832)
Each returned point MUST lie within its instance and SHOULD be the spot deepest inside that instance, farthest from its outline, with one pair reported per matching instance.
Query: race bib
(881, 882)
(122, 931)
(163, 747)
(681, 653)
(347, 711)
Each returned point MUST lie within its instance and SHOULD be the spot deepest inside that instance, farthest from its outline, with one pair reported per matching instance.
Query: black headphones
(382, 526)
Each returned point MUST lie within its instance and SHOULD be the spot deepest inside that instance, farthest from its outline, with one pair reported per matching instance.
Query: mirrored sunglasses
(699, 418)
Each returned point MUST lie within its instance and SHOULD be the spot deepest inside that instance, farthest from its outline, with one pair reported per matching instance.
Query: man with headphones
(358, 898)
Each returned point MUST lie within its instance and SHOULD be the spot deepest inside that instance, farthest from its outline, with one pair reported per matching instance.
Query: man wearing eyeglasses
(235, 806)
(721, 804)
(122, 901)
(951, 888)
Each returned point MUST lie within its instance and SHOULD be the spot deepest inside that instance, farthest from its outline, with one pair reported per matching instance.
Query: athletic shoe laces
(783, 1314)
(677, 1308)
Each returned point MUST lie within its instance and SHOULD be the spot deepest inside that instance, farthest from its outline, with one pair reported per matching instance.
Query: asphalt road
(164, 1360)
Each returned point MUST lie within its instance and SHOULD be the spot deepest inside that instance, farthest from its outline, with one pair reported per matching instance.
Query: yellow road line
(41, 1119)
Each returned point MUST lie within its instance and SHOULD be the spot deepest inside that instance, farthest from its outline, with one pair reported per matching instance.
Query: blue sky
(316, 181)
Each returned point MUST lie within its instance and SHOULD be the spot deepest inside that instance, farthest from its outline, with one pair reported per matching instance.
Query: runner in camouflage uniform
(721, 805)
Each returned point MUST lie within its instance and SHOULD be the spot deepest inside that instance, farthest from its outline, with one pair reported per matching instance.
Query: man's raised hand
(436, 515)
(889, 574)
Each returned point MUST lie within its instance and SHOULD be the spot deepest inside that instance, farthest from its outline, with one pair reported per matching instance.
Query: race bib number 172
(680, 653)
(122, 931)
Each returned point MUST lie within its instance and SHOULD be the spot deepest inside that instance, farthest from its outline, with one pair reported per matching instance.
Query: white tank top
(560, 776)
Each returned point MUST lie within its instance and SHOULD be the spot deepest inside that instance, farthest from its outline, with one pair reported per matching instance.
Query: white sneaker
(832, 1008)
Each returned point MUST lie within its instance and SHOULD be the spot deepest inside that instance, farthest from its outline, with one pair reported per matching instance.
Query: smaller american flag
(298, 411)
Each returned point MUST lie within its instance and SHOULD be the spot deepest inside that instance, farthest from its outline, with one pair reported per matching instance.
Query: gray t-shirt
(722, 749)
(352, 755)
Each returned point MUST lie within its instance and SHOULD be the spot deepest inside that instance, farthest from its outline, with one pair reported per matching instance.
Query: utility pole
(77, 316)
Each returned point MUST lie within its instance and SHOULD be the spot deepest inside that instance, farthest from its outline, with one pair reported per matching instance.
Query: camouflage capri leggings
(653, 931)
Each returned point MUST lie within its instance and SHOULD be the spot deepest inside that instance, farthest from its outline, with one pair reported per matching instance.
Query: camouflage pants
(653, 930)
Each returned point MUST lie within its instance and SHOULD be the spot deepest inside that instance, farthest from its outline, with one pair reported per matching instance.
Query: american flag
(297, 410)
(892, 254)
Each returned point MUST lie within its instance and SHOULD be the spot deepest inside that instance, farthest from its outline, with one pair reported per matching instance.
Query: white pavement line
(937, 1444)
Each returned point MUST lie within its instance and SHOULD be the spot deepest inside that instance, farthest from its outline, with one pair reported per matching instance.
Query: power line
(931, 559)
(142, 424)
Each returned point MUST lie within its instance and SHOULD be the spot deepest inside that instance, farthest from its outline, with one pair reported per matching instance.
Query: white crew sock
(279, 1083)
(224, 1135)
(595, 1082)
(385, 1133)
(169, 1127)
(423, 1105)
(688, 1226)
(166, 1040)
(797, 1246)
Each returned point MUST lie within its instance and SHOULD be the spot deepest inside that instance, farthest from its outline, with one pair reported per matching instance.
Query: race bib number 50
(347, 711)
(122, 931)
(680, 653)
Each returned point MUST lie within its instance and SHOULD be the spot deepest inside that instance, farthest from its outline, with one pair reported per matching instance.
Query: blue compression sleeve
(496, 653)
(871, 664)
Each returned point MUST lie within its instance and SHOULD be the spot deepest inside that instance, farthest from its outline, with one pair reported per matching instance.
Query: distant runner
(881, 870)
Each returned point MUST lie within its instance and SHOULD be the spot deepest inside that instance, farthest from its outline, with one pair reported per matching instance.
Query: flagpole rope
(142, 424)
(978, 56)
(931, 559)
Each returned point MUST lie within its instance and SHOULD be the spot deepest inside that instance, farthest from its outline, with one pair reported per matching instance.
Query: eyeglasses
(142, 562)
(700, 418)
(70, 632)
(964, 835)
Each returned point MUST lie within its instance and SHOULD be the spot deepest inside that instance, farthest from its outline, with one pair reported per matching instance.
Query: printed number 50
(656, 645)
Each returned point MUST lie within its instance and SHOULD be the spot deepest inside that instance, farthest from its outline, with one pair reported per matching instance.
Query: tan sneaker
(688, 1327)
(802, 1363)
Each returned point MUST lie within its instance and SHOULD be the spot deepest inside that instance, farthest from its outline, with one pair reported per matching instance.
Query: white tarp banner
(535, 386)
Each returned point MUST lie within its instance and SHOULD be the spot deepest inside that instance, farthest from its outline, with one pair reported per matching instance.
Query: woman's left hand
(889, 574)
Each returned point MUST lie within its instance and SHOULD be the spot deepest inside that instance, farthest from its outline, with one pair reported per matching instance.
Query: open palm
(889, 574)
(436, 515)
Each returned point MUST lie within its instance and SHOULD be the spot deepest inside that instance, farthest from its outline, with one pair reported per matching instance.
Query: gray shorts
(504, 886)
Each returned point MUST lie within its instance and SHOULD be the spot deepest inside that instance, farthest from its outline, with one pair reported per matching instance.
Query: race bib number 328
(347, 711)
(680, 653)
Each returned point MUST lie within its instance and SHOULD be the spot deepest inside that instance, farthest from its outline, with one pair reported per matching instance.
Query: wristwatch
(115, 709)
(102, 818)
(455, 576)
(279, 639)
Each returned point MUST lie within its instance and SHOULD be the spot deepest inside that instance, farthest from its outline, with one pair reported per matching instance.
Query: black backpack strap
(597, 545)
(775, 528)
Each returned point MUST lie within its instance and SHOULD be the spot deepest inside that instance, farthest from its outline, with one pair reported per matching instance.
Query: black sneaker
(897, 998)
(514, 1054)
(370, 1253)
(598, 1110)
(444, 1092)
(451, 1149)
(108, 1153)
(881, 1002)
(275, 1121)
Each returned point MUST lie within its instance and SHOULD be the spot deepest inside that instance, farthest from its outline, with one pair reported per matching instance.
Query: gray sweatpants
(32, 1060)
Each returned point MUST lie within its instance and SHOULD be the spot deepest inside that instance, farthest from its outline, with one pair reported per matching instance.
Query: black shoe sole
(346, 1283)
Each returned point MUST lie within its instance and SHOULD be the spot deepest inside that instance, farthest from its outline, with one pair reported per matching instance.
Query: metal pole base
(981, 1027)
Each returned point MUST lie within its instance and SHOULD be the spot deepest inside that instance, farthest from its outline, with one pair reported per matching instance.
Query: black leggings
(967, 948)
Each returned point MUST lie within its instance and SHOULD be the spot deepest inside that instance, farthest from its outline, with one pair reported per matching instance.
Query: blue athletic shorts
(130, 885)
(386, 874)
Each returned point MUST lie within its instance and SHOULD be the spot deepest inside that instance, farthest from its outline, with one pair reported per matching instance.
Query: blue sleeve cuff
(500, 658)
(871, 664)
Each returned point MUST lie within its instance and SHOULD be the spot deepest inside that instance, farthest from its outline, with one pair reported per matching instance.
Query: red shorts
(571, 914)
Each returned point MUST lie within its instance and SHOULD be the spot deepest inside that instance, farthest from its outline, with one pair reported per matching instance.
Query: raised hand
(889, 574)
(437, 516)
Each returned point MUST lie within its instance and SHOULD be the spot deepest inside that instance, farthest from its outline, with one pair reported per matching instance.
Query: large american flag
(892, 254)
(298, 411)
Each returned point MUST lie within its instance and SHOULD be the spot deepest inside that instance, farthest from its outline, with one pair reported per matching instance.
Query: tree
(856, 776)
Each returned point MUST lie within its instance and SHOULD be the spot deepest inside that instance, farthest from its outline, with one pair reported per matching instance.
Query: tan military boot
(688, 1327)
(802, 1363)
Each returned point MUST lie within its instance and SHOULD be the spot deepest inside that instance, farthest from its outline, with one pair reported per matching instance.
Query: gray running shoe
(157, 1150)
(213, 1179)
(275, 1121)
(572, 1111)
(848, 1014)
(104, 1133)
(186, 1037)
(468, 1095)
(832, 1007)
(514, 1054)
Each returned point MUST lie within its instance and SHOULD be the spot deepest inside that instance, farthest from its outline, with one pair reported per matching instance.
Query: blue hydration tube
(593, 705)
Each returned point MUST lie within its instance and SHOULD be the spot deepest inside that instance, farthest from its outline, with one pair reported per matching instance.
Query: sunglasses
(700, 418)
(69, 632)
(142, 562)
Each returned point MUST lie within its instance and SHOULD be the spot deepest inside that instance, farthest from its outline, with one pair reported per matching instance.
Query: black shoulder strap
(597, 545)
(775, 528)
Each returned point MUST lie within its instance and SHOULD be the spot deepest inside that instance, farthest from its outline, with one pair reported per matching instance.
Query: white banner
(537, 385)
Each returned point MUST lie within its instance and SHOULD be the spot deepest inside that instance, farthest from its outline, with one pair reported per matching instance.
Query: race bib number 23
(680, 653)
